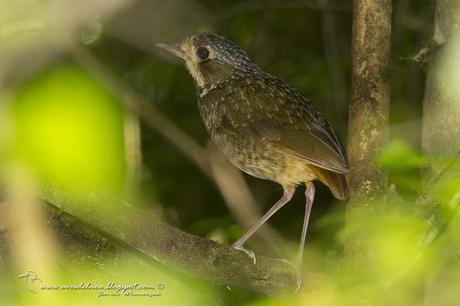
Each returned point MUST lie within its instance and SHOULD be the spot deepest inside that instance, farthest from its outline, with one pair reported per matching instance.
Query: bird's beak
(174, 49)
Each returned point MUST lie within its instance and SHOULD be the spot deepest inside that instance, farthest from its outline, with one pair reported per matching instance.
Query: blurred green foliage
(69, 129)
(399, 156)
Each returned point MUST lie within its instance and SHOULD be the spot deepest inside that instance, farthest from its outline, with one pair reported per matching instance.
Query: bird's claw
(298, 279)
(250, 253)
(298, 272)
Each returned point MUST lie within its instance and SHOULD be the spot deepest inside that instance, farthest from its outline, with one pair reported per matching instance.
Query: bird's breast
(229, 128)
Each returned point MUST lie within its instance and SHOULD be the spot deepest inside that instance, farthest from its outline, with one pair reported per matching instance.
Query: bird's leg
(288, 192)
(309, 196)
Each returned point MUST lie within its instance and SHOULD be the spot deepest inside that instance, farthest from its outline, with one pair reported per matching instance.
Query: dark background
(306, 44)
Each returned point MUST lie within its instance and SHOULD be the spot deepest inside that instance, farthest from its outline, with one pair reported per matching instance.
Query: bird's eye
(202, 53)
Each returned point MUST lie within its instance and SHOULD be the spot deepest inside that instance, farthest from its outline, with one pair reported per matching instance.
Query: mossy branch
(143, 230)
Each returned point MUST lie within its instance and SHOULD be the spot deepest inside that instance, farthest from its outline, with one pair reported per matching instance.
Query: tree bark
(368, 109)
(441, 104)
(143, 231)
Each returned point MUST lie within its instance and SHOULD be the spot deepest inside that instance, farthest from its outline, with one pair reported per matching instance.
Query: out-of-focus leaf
(70, 129)
(399, 155)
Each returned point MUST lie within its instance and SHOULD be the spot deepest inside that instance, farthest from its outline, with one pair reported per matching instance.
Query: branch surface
(195, 256)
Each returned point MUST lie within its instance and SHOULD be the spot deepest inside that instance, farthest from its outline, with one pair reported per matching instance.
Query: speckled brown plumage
(269, 129)
(266, 127)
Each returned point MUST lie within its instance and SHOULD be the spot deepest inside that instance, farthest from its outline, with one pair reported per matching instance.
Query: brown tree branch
(370, 95)
(368, 110)
(195, 256)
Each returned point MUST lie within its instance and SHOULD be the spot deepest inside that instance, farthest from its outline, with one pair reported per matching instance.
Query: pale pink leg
(288, 192)
(309, 196)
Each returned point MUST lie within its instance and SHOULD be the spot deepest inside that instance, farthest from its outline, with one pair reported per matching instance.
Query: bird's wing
(275, 112)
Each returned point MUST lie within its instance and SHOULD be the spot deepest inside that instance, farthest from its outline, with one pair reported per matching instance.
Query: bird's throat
(209, 74)
(196, 73)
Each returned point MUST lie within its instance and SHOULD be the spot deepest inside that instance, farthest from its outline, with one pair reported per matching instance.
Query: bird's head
(211, 58)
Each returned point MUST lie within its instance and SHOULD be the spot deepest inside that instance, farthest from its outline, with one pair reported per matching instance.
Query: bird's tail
(336, 182)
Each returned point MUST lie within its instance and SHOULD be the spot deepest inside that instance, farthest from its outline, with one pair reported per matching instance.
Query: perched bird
(263, 125)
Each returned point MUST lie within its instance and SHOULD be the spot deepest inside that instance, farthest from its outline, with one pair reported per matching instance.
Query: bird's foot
(298, 279)
(297, 268)
(250, 253)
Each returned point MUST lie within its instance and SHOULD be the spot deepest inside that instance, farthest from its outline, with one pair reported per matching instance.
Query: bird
(264, 126)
